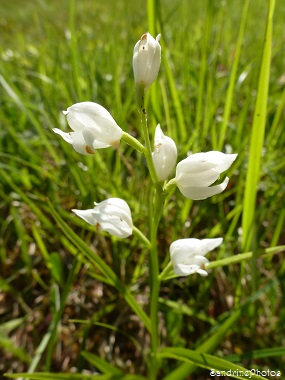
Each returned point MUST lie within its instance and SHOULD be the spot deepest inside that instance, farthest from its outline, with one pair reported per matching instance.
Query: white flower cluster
(94, 128)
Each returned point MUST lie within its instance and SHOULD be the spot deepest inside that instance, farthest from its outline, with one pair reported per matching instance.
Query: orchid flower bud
(146, 60)
(93, 128)
(187, 255)
(164, 155)
(112, 215)
(196, 173)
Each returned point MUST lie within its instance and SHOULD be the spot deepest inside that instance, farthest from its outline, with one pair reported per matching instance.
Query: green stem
(170, 186)
(140, 95)
(133, 142)
(156, 207)
(167, 272)
(142, 237)
(154, 279)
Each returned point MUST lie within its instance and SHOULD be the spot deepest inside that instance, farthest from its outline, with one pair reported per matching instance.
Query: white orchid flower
(146, 60)
(196, 173)
(164, 155)
(112, 215)
(93, 128)
(187, 255)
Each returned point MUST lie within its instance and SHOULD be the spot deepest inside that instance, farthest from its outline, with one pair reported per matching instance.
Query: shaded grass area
(54, 303)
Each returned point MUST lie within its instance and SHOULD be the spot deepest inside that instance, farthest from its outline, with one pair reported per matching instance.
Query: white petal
(86, 215)
(114, 225)
(188, 259)
(112, 215)
(77, 139)
(202, 272)
(96, 118)
(207, 245)
(199, 193)
(146, 60)
(195, 163)
(90, 139)
(158, 136)
(185, 246)
(99, 145)
(186, 270)
(198, 179)
(117, 207)
(224, 161)
(80, 145)
(164, 155)
(187, 255)
(203, 162)
(188, 248)
(65, 135)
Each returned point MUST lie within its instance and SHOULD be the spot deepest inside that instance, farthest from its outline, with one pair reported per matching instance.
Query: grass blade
(230, 90)
(101, 364)
(258, 354)
(257, 136)
(205, 361)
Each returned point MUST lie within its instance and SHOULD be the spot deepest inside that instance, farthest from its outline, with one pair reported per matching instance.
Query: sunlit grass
(54, 54)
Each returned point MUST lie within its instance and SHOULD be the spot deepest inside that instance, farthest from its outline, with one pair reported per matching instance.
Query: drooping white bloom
(93, 128)
(187, 255)
(146, 60)
(196, 173)
(164, 155)
(112, 215)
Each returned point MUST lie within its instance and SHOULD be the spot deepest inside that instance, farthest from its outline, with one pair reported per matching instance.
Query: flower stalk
(148, 150)
(154, 278)
(156, 207)
(133, 142)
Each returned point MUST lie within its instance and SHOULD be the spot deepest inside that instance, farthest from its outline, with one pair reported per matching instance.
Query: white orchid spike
(112, 215)
(164, 155)
(93, 128)
(187, 255)
(196, 173)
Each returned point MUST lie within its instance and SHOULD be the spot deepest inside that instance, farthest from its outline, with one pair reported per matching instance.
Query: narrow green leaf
(203, 360)
(257, 354)
(231, 89)
(7, 327)
(58, 376)
(101, 364)
(7, 345)
(245, 256)
(71, 376)
(56, 267)
(257, 136)
(175, 97)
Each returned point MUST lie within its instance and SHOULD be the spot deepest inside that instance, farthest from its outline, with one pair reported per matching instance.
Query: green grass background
(56, 53)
